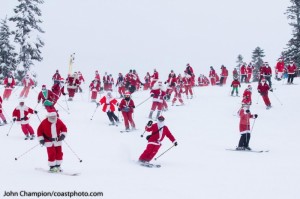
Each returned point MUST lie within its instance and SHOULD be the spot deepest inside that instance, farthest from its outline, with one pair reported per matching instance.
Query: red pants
(128, 118)
(146, 86)
(149, 152)
(248, 78)
(157, 105)
(25, 91)
(213, 81)
(94, 95)
(266, 99)
(55, 155)
(6, 93)
(177, 95)
(188, 89)
(27, 129)
(152, 83)
(71, 92)
(121, 90)
(224, 80)
(2, 116)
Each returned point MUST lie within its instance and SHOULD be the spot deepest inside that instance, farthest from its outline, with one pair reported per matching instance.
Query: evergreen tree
(293, 47)
(8, 61)
(27, 25)
(257, 61)
(239, 62)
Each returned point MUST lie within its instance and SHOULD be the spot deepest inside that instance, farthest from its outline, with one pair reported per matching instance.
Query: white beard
(51, 120)
(160, 124)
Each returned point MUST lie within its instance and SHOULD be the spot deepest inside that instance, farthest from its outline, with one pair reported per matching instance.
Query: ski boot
(150, 115)
(27, 137)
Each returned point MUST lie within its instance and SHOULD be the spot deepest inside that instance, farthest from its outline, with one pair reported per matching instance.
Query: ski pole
(94, 113)
(38, 117)
(66, 102)
(10, 128)
(257, 99)
(142, 135)
(142, 102)
(252, 126)
(63, 108)
(26, 151)
(164, 152)
(277, 99)
(73, 151)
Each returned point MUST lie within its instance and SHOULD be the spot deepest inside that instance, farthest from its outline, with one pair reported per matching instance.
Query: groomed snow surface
(199, 167)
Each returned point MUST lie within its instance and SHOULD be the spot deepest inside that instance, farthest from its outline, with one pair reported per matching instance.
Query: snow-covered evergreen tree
(257, 60)
(27, 23)
(8, 61)
(293, 47)
(239, 62)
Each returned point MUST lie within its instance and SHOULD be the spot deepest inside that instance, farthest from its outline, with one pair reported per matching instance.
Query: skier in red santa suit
(268, 74)
(22, 114)
(110, 82)
(187, 79)
(178, 91)
(106, 80)
(147, 79)
(97, 75)
(109, 103)
(58, 89)
(224, 74)
(243, 72)
(158, 132)
(158, 92)
(94, 88)
(202, 80)
(51, 132)
(56, 76)
(27, 83)
(247, 99)
(9, 85)
(249, 69)
(263, 89)
(72, 84)
(127, 106)
(189, 70)
(121, 85)
(48, 99)
(171, 82)
(81, 80)
(262, 71)
(2, 117)
(154, 78)
(244, 128)
(279, 69)
(291, 70)
(212, 76)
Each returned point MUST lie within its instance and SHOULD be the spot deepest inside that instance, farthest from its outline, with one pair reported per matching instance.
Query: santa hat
(51, 114)
(21, 100)
(44, 86)
(263, 80)
(161, 118)
(128, 93)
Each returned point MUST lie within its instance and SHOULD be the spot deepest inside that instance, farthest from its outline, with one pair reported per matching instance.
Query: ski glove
(42, 142)
(152, 95)
(175, 143)
(98, 104)
(248, 111)
(150, 123)
(35, 112)
(14, 119)
(255, 116)
(148, 137)
(61, 137)
(271, 90)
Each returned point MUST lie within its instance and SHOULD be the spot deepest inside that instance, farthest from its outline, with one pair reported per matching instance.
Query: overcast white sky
(144, 34)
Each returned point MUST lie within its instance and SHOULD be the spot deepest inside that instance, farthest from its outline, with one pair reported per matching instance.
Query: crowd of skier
(175, 87)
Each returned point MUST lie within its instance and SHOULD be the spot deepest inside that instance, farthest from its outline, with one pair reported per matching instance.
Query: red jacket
(280, 66)
(243, 70)
(124, 105)
(9, 83)
(58, 89)
(21, 114)
(291, 69)
(155, 76)
(158, 94)
(49, 96)
(263, 88)
(72, 82)
(56, 76)
(109, 104)
(267, 71)
(244, 121)
(249, 69)
(157, 135)
(224, 72)
(50, 132)
(27, 82)
(247, 99)
(95, 85)
(212, 73)
(235, 83)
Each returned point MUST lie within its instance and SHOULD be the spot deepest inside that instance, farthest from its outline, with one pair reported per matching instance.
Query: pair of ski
(59, 173)
(253, 151)
(149, 165)
(127, 131)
